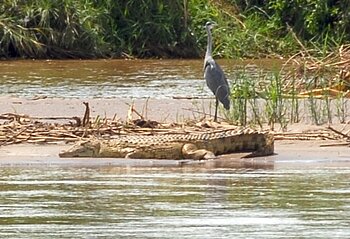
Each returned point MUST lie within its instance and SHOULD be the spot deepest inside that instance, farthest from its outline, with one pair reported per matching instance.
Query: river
(163, 202)
(114, 78)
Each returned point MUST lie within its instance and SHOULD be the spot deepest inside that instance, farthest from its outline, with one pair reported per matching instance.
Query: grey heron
(215, 76)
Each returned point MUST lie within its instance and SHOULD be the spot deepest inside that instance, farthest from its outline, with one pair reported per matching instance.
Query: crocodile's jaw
(82, 149)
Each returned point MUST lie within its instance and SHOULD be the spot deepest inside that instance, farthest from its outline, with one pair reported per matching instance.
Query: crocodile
(196, 146)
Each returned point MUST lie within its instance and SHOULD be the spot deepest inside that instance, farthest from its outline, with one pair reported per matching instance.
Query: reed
(239, 92)
(327, 107)
(294, 103)
(341, 108)
(314, 110)
(263, 99)
(275, 102)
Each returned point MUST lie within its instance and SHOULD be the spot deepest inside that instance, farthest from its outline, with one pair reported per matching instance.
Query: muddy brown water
(294, 197)
(114, 78)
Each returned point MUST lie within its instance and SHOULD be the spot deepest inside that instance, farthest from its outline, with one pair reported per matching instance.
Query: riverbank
(85, 29)
(287, 152)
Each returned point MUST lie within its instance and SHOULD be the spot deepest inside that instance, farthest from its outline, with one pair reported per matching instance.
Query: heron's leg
(216, 110)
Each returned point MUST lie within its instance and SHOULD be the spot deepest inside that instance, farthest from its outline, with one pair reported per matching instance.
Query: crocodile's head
(82, 149)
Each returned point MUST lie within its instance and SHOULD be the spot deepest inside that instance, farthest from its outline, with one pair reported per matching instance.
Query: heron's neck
(209, 45)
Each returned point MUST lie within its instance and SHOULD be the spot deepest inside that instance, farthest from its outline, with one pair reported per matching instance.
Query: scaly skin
(176, 146)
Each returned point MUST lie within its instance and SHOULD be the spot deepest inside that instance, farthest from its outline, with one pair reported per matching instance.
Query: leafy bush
(155, 28)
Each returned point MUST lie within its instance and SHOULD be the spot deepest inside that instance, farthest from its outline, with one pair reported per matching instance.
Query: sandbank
(288, 153)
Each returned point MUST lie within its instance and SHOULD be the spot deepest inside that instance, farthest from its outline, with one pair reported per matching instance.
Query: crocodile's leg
(190, 151)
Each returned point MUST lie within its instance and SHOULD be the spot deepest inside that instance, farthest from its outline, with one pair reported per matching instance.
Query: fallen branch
(86, 118)
(338, 132)
(13, 137)
(334, 145)
(202, 113)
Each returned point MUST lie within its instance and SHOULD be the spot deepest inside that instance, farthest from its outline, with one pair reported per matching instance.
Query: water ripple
(109, 79)
(164, 203)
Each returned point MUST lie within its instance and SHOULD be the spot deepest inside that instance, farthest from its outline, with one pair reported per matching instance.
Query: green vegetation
(88, 28)
(155, 28)
(267, 99)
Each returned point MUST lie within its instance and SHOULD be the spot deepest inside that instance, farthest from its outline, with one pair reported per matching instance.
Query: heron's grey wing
(213, 75)
(217, 82)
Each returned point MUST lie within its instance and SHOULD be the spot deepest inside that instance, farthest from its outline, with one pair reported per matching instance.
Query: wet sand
(288, 154)
(294, 153)
(165, 110)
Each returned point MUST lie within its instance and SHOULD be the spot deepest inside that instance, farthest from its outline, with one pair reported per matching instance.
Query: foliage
(152, 28)
(47, 28)
(156, 28)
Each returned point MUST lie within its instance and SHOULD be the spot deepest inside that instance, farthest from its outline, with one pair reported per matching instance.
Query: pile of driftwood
(309, 75)
(328, 133)
(19, 128)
